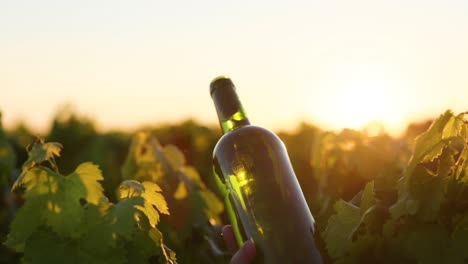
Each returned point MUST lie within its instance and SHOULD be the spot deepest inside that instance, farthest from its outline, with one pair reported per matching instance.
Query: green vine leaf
(367, 199)
(174, 156)
(27, 220)
(429, 145)
(340, 228)
(69, 218)
(151, 194)
(41, 152)
(454, 126)
(88, 175)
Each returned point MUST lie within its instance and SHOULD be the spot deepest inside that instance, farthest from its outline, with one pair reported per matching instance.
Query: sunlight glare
(363, 95)
(360, 102)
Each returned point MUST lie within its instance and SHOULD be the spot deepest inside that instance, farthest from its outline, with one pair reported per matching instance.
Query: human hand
(244, 255)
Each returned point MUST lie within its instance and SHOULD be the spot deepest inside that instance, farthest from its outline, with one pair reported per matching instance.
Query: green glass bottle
(264, 201)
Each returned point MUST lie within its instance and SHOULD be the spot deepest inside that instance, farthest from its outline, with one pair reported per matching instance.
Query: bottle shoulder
(248, 135)
(249, 130)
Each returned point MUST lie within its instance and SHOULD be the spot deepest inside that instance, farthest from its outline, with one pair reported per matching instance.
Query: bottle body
(256, 177)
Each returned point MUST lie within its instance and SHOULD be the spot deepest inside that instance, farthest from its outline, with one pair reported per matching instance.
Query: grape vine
(376, 199)
(196, 210)
(67, 217)
(420, 215)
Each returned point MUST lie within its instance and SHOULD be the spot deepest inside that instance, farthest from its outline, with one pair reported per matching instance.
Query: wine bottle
(263, 198)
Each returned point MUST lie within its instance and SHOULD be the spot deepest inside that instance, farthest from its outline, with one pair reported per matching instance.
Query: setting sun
(360, 101)
(356, 95)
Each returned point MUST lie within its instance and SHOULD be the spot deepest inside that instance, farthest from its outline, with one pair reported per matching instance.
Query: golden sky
(333, 63)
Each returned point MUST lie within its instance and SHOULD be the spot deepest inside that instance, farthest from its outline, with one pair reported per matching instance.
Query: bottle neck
(231, 114)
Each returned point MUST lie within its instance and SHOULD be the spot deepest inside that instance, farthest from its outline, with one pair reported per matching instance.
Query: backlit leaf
(152, 197)
(454, 126)
(174, 156)
(65, 203)
(340, 227)
(41, 152)
(192, 176)
(367, 199)
(109, 225)
(429, 145)
(38, 180)
(28, 218)
(89, 175)
(121, 216)
(213, 206)
(181, 191)
(130, 188)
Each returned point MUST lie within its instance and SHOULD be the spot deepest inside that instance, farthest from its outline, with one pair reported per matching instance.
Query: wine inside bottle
(263, 198)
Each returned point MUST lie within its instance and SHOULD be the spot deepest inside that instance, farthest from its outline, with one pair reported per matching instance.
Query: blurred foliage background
(329, 166)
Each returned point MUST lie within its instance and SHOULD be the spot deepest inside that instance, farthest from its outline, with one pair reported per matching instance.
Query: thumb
(245, 254)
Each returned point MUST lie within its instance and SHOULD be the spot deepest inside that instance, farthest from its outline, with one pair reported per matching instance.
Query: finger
(245, 255)
(228, 236)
